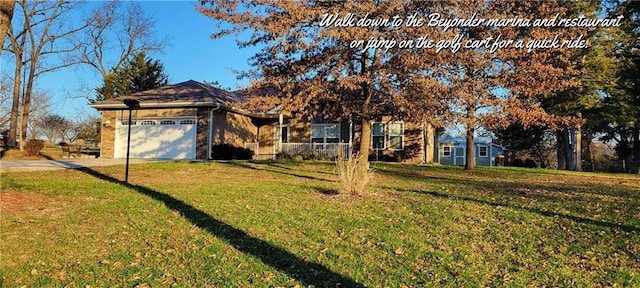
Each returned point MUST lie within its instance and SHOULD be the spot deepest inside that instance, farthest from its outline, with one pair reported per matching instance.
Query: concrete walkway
(44, 165)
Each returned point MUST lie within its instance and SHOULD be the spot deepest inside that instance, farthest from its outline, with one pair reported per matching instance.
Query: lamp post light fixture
(132, 104)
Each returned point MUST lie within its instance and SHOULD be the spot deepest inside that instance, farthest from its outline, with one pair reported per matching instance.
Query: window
(483, 151)
(325, 133)
(446, 151)
(126, 122)
(147, 122)
(188, 122)
(396, 135)
(284, 137)
(387, 135)
(167, 122)
(377, 132)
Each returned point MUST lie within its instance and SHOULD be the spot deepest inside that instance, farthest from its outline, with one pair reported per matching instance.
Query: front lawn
(281, 224)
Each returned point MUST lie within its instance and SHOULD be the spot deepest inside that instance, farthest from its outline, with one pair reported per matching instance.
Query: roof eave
(249, 113)
(144, 105)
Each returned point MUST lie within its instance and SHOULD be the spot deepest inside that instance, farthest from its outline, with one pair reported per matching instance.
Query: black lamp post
(132, 104)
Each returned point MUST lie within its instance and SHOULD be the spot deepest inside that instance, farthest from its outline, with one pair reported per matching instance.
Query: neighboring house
(184, 120)
(452, 151)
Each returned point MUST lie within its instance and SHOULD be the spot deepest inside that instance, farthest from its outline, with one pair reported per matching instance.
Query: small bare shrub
(352, 179)
(33, 147)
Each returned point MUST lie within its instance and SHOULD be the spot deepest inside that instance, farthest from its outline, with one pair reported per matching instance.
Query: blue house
(452, 151)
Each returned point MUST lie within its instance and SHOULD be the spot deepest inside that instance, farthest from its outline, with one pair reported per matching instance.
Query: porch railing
(254, 146)
(316, 150)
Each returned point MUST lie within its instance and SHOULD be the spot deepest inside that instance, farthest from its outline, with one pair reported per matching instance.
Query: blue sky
(190, 53)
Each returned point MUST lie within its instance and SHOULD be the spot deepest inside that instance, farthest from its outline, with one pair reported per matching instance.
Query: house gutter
(210, 130)
(155, 105)
(120, 106)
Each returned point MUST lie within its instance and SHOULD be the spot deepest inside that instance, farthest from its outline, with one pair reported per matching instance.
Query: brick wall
(202, 134)
(108, 134)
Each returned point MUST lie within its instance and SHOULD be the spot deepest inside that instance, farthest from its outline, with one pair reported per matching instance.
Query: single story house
(184, 121)
(452, 151)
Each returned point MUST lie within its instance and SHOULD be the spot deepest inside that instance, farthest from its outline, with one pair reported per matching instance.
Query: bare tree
(40, 107)
(45, 33)
(120, 30)
(5, 102)
(6, 14)
(87, 127)
(55, 127)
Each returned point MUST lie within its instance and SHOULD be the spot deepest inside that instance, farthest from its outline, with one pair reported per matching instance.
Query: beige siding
(233, 129)
(300, 130)
(267, 140)
(430, 137)
(413, 146)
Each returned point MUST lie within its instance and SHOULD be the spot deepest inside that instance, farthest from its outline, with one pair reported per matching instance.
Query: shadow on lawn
(512, 188)
(266, 168)
(308, 273)
(627, 228)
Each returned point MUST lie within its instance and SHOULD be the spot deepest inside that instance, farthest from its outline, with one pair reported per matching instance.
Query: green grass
(279, 224)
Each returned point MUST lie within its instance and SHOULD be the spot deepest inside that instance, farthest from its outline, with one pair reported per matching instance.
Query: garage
(161, 138)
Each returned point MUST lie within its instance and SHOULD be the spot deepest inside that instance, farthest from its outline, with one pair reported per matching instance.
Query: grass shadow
(308, 273)
(276, 170)
(327, 191)
(515, 186)
(620, 226)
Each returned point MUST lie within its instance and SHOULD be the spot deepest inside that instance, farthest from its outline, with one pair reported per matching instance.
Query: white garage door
(173, 138)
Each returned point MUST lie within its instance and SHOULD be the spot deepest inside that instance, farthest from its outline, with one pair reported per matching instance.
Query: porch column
(350, 135)
(280, 122)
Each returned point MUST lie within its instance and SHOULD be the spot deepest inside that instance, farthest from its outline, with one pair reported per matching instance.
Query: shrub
(283, 156)
(33, 147)
(377, 155)
(353, 180)
(309, 155)
(297, 158)
(229, 152)
(385, 156)
(530, 163)
(517, 163)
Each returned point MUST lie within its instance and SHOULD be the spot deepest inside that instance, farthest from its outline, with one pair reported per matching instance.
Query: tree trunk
(26, 107)
(15, 105)
(578, 150)
(469, 163)
(6, 14)
(569, 143)
(561, 148)
(587, 140)
(365, 142)
(624, 154)
(635, 151)
(365, 135)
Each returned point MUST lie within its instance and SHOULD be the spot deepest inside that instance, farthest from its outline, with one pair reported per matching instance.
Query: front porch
(308, 151)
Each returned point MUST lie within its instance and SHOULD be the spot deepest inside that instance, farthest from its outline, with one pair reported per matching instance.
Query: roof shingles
(185, 94)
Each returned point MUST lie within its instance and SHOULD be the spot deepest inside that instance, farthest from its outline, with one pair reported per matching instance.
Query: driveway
(43, 165)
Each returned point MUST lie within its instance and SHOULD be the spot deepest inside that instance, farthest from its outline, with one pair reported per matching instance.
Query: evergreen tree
(596, 68)
(621, 107)
(139, 73)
